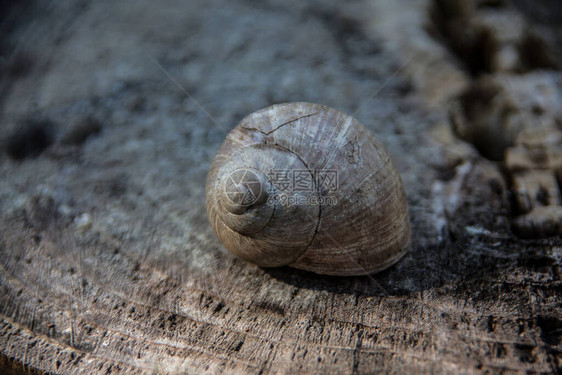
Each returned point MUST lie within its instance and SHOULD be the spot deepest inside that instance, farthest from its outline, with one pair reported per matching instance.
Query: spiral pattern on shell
(307, 186)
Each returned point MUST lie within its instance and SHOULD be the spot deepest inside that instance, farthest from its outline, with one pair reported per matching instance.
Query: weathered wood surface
(108, 263)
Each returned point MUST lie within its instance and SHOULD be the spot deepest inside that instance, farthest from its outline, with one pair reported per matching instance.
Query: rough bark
(108, 263)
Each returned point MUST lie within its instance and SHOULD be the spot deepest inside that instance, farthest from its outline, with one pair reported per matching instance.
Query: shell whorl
(364, 228)
(255, 228)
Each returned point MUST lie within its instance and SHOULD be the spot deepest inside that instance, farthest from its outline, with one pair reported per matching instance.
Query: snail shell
(307, 186)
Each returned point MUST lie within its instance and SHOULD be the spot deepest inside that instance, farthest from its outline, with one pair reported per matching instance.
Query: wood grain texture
(108, 263)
